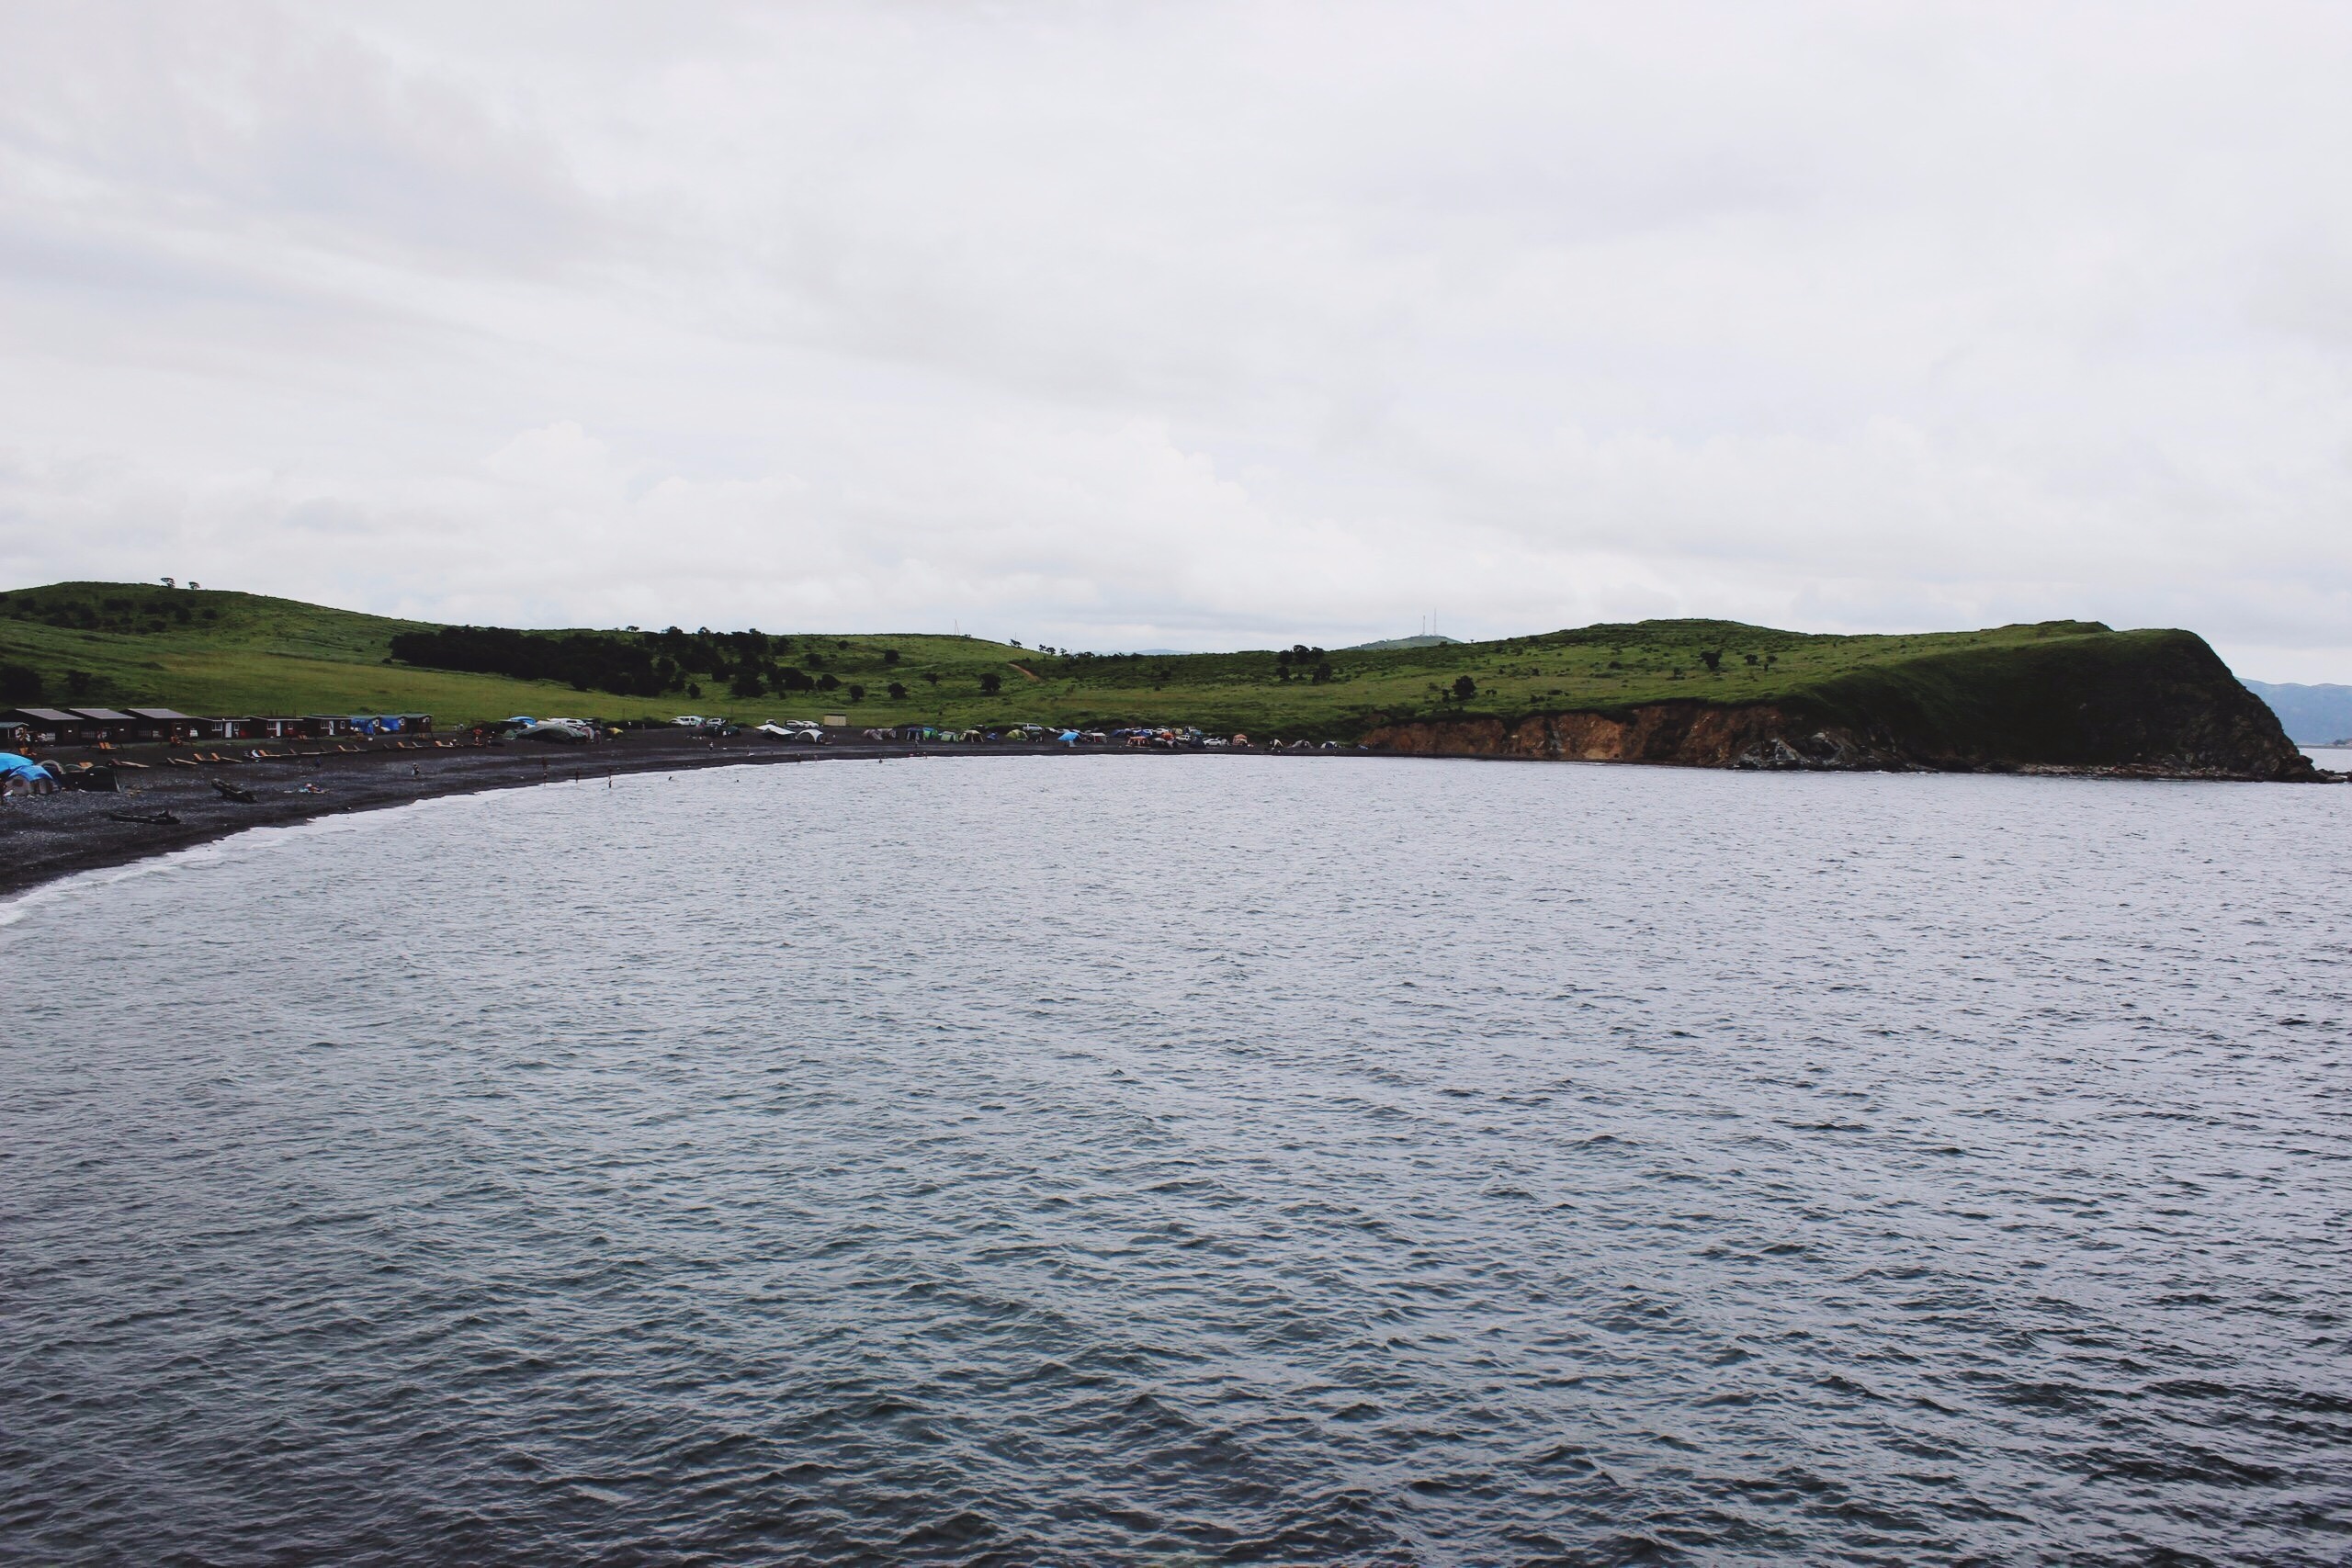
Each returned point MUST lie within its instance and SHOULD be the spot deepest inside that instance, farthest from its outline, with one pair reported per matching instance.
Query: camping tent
(18, 774)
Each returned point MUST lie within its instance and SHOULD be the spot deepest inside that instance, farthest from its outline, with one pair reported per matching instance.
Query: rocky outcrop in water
(2153, 704)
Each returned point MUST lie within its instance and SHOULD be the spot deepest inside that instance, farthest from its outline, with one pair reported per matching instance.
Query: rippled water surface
(1189, 1160)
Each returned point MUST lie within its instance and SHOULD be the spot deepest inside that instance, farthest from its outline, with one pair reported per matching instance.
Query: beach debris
(236, 792)
(152, 819)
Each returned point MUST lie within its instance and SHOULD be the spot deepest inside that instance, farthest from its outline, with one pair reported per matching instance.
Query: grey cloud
(1145, 327)
(250, 120)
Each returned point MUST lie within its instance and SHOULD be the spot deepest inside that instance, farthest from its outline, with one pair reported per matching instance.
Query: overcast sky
(1193, 326)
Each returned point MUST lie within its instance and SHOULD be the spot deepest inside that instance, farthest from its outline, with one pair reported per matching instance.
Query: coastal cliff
(2150, 704)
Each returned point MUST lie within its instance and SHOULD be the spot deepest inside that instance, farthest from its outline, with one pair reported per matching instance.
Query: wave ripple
(1150, 1160)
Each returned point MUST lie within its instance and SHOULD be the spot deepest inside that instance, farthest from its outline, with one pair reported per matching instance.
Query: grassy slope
(258, 655)
(251, 654)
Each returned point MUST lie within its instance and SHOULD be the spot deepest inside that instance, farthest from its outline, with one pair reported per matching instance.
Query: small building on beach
(48, 727)
(164, 723)
(107, 724)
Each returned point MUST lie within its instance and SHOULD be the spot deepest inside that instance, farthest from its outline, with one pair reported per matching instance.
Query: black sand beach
(43, 838)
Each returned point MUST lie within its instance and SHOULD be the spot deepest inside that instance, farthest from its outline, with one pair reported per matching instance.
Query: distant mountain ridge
(1389, 645)
(2313, 715)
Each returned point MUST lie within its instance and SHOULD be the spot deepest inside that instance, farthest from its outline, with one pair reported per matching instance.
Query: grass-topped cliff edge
(2056, 693)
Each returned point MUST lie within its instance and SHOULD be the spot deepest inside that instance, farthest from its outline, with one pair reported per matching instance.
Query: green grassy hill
(208, 652)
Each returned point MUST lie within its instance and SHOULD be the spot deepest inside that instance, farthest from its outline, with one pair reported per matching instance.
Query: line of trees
(1299, 659)
(71, 609)
(638, 664)
(21, 685)
(587, 661)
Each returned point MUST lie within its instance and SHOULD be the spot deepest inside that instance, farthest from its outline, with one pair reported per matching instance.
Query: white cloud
(1195, 325)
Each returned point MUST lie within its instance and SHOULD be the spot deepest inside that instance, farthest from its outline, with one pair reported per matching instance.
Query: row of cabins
(88, 727)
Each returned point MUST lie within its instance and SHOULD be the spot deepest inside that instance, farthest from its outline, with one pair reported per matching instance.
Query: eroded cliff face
(1692, 734)
(1770, 738)
(2163, 707)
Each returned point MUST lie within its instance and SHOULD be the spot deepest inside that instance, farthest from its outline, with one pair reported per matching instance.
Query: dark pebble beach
(43, 838)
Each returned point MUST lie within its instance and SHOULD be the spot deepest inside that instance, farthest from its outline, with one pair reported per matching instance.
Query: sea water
(1152, 1159)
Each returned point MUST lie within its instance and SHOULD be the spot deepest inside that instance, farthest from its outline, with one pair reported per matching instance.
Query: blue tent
(12, 766)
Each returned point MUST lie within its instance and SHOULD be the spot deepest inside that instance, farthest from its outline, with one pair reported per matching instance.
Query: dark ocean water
(1193, 1160)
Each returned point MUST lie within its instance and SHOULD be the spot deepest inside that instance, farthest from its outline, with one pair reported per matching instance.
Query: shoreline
(46, 839)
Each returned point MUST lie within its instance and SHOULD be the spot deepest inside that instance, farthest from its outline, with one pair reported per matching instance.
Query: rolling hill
(1948, 698)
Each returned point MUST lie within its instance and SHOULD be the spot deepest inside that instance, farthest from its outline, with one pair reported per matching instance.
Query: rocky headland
(2151, 705)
